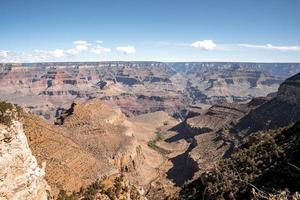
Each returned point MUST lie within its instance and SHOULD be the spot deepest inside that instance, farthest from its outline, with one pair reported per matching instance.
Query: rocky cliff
(21, 177)
(289, 90)
(280, 111)
(220, 130)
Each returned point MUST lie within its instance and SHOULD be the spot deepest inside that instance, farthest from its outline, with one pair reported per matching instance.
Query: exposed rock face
(280, 111)
(289, 90)
(94, 141)
(21, 177)
(69, 166)
(221, 129)
(209, 130)
(138, 87)
(216, 117)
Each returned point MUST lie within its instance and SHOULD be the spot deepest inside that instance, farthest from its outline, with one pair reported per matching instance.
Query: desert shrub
(281, 195)
(111, 194)
(62, 195)
(5, 115)
(264, 168)
(118, 190)
(158, 137)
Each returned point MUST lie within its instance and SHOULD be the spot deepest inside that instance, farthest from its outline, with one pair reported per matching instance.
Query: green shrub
(152, 143)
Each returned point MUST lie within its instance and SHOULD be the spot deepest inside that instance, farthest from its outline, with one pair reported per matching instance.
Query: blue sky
(159, 30)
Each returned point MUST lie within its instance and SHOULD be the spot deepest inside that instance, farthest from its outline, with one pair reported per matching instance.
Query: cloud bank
(81, 48)
(38, 55)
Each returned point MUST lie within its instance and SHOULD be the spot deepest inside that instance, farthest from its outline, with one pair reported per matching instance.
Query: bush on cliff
(120, 189)
(265, 168)
(8, 111)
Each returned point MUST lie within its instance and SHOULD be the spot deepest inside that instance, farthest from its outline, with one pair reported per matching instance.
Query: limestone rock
(21, 177)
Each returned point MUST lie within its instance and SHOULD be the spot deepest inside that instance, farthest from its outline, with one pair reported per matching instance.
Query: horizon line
(152, 61)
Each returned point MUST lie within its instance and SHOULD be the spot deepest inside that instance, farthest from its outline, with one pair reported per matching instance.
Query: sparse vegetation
(8, 111)
(97, 190)
(158, 137)
(267, 168)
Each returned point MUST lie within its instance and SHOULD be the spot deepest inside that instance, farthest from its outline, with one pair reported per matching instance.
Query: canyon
(159, 125)
(138, 87)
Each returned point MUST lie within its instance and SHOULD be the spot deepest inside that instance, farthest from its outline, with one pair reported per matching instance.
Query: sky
(150, 30)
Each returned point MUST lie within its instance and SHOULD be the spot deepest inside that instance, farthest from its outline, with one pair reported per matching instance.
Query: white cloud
(100, 50)
(72, 52)
(271, 47)
(204, 45)
(126, 49)
(54, 55)
(3, 54)
(81, 45)
(35, 56)
(57, 53)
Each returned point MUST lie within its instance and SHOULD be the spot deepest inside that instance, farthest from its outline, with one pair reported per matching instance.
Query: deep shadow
(182, 133)
(184, 167)
(62, 113)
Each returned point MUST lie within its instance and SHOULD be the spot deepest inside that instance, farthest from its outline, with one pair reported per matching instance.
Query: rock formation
(21, 177)
(280, 111)
(289, 90)
(94, 141)
(138, 87)
(221, 129)
(95, 138)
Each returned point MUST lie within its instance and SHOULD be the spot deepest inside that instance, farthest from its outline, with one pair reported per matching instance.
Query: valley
(138, 87)
(158, 126)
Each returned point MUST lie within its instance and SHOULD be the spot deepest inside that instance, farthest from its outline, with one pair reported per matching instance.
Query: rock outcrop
(289, 90)
(21, 177)
(216, 117)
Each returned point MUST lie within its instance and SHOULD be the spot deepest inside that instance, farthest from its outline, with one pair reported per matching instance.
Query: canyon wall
(138, 87)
